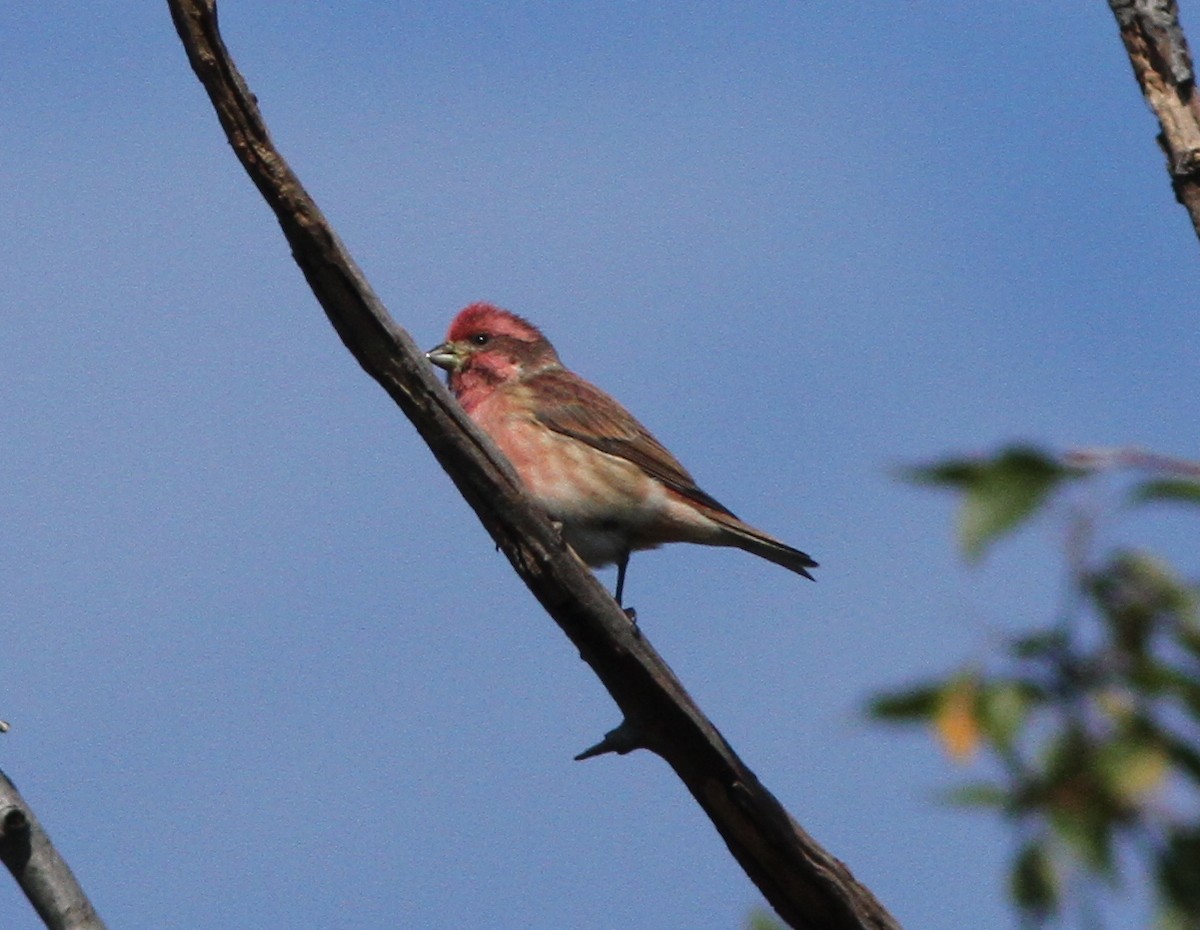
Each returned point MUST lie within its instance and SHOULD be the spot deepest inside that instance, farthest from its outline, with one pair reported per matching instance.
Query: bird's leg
(622, 564)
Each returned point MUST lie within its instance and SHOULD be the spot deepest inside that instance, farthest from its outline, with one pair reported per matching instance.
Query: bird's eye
(481, 339)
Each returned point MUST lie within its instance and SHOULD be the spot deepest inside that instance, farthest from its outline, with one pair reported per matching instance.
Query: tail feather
(758, 543)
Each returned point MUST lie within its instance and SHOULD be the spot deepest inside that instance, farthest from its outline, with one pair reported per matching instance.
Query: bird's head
(486, 345)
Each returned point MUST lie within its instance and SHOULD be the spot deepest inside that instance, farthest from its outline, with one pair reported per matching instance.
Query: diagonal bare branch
(808, 887)
(1162, 64)
(41, 872)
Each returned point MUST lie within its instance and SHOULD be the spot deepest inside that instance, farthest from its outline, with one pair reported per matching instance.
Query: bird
(611, 487)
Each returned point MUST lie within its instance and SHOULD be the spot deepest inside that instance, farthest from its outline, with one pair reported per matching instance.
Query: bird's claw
(632, 615)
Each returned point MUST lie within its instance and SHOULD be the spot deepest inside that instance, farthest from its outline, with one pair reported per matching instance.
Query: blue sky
(264, 668)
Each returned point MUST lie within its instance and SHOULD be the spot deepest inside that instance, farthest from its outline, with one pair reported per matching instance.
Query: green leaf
(1008, 490)
(1188, 634)
(1137, 594)
(1132, 767)
(761, 919)
(1034, 883)
(1148, 677)
(1089, 833)
(1185, 757)
(979, 794)
(1003, 709)
(999, 492)
(1038, 645)
(1169, 490)
(1076, 799)
(1186, 688)
(1173, 918)
(919, 703)
(1178, 874)
(948, 473)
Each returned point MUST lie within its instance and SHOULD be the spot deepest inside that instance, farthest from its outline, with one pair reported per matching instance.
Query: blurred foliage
(761, 919)
(1089, 727)
(997, 493)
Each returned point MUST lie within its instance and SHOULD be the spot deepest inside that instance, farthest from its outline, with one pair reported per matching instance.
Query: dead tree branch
(808, 887)
(38, 868)
(1162, 64)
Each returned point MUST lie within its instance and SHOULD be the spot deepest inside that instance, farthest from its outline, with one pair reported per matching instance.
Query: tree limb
(1162, 63)
(808, 887)
(38, 868)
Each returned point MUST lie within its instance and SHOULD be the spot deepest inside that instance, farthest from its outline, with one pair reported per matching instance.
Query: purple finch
(596, 470)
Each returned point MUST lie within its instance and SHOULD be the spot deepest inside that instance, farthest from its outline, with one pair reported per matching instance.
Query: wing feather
(573, 407)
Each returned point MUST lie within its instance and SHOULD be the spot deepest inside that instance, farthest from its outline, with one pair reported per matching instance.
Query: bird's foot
(631, 613)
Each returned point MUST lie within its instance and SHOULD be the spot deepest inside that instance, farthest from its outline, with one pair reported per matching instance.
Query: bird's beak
(447, 356)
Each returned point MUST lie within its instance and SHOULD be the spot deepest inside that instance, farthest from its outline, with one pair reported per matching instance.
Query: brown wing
(569, 405)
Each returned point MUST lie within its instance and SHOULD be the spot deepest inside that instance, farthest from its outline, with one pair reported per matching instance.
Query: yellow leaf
(1133, 770)
(956, 720)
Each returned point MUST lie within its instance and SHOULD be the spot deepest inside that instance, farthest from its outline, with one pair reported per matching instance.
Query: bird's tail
(759, 543)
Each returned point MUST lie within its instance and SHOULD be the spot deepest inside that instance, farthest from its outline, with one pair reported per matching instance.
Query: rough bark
(38, 868)
(1162, 63)
(808, 887)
